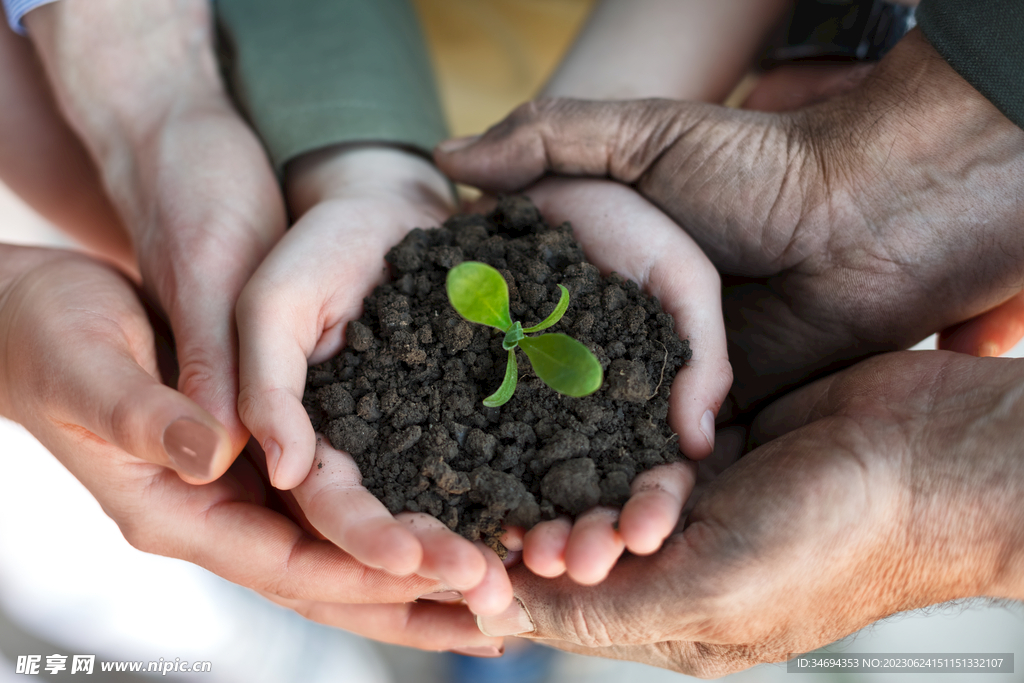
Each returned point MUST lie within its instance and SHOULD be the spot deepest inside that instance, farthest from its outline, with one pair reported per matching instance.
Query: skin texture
(78, 368)
(353, 205)
(855, 226)
(859, 224)
(138, 84)
(606, 218)
(869, 464)
(191, 181)
(628, 50)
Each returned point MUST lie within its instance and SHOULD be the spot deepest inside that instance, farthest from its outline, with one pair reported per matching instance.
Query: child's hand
(353, 206)
(621, 231)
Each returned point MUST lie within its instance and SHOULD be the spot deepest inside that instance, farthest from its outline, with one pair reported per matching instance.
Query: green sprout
(479, 294)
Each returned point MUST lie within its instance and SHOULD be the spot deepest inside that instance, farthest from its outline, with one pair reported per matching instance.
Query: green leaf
(479, 294)
(564, 364)
(512, 337)
(508, 385)
(556, 315)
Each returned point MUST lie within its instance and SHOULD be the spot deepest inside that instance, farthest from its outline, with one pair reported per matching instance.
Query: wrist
(969, 482)
(358, 171)
(118, 68)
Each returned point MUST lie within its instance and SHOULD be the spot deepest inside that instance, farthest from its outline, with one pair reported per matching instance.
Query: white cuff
(16, 9)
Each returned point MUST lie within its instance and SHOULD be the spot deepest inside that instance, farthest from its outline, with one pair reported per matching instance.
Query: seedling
(479, 294)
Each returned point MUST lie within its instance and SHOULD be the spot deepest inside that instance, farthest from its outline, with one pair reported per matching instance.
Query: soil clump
(404, 396)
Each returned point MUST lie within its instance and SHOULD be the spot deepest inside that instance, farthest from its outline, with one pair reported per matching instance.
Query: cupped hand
(858, 225)
(79, 370)
(138, 82)
(353, 204)
(890, 486)
(620, 231)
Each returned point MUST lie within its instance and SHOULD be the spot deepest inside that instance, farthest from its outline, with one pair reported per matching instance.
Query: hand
(856, 226)
(78, 368)
(353, 205)
(992, 333)
(622, 232)
(139, 84)
(888, 487)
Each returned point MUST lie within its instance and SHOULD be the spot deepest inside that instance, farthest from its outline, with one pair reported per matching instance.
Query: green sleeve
(984, 41)
(313, 73)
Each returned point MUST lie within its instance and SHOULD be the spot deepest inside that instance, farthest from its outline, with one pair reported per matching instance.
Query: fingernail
(273, 451)
(455, 144)
(480, 651)
(190, 446)
(707, 427)
(511, 622)
(988, 349)
(442, 596)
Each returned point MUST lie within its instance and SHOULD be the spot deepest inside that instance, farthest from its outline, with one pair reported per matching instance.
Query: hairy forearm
(677, 49)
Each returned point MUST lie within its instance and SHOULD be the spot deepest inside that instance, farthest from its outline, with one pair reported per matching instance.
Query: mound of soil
(404, 397)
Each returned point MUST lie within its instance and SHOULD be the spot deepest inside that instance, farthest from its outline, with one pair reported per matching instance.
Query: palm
(858, 507)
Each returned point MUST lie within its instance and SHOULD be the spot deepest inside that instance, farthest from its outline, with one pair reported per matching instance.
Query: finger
(447, 557)
(992, 333)
(115, 399)
(512, 538)
(594, 546)
(607, 218)
(639, 602)
(618, 140)
(544, 547)
(421, 625)
(215, 527)
(290, 315)
(275, 341)
(494, 593)
(106, 381)
(338, 506)
(272, 379)
(220, 211)
(655, 503)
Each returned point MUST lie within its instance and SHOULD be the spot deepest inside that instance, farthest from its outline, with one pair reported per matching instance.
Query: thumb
(619, 140)
(644, 600)
(105, 380)
(118, 401)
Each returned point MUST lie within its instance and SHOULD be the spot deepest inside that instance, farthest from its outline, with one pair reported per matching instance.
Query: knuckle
(197, 375)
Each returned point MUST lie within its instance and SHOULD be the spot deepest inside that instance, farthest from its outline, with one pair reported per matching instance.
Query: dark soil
(404, 397)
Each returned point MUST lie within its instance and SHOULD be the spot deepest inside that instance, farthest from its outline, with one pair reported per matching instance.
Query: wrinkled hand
(855, 226)
(80, 373)
(887, 487)
(790, 87)
(353, 206)
(622, 232)
(139, 84)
